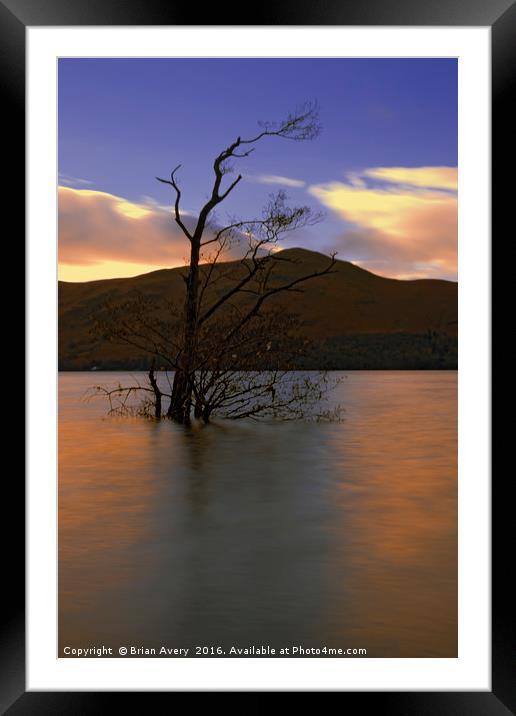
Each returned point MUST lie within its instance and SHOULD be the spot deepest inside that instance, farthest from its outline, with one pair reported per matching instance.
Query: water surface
(280, 534)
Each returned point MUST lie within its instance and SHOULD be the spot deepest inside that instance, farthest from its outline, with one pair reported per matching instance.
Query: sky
(383, 170)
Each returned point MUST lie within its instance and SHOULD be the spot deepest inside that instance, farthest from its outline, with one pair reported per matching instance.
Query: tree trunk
(157, 393)
(181, 401)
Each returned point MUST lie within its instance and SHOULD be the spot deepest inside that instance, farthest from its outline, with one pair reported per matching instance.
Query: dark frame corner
(500, 15)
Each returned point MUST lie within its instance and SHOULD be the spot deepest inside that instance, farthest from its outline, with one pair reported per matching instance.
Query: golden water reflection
(339, 535)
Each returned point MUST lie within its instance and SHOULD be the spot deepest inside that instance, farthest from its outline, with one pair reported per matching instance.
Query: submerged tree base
(256, 395)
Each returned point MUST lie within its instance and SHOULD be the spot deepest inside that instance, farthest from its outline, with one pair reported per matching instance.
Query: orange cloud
(407, 229)
(102, 235)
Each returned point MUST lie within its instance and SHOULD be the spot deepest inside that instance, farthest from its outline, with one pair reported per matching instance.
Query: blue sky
(124, 121)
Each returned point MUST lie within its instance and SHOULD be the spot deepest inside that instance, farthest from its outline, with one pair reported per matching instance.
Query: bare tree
(228, 330)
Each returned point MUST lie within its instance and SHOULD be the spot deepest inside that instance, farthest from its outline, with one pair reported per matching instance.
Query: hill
(357, 319)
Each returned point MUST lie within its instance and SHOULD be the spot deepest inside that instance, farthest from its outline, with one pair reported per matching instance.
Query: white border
(471, 671)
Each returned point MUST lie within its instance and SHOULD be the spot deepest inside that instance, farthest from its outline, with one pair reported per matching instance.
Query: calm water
(341, 535)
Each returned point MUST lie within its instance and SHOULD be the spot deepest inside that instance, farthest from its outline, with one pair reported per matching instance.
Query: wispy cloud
(405, 228)
(275, 179)
(150, 202)
(430, 177)
(73, 181)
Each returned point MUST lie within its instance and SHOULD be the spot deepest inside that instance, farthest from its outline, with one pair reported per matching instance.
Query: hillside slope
(356, 318)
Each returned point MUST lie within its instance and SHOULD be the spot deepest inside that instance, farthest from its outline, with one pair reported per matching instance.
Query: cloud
(274, 179)
(149, 201)
(430, 177)
(102, 235)
(96, 228)
(71, 181)
(355, 180)
(406, 228)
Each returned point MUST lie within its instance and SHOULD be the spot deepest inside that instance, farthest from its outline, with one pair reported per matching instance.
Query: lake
(341, 535)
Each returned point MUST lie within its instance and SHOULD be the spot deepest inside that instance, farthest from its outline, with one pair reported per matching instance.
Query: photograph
(258, 314)
(257, 353)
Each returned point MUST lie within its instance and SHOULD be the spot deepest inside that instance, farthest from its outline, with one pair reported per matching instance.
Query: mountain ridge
(296, 251)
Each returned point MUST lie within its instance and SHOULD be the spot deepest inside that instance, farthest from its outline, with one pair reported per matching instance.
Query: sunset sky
(383, 170)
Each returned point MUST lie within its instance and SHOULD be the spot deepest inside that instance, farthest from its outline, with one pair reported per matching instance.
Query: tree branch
(274, 291)
(177, 212)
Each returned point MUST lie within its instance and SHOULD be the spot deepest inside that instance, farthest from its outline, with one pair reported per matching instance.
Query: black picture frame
(500, 15)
